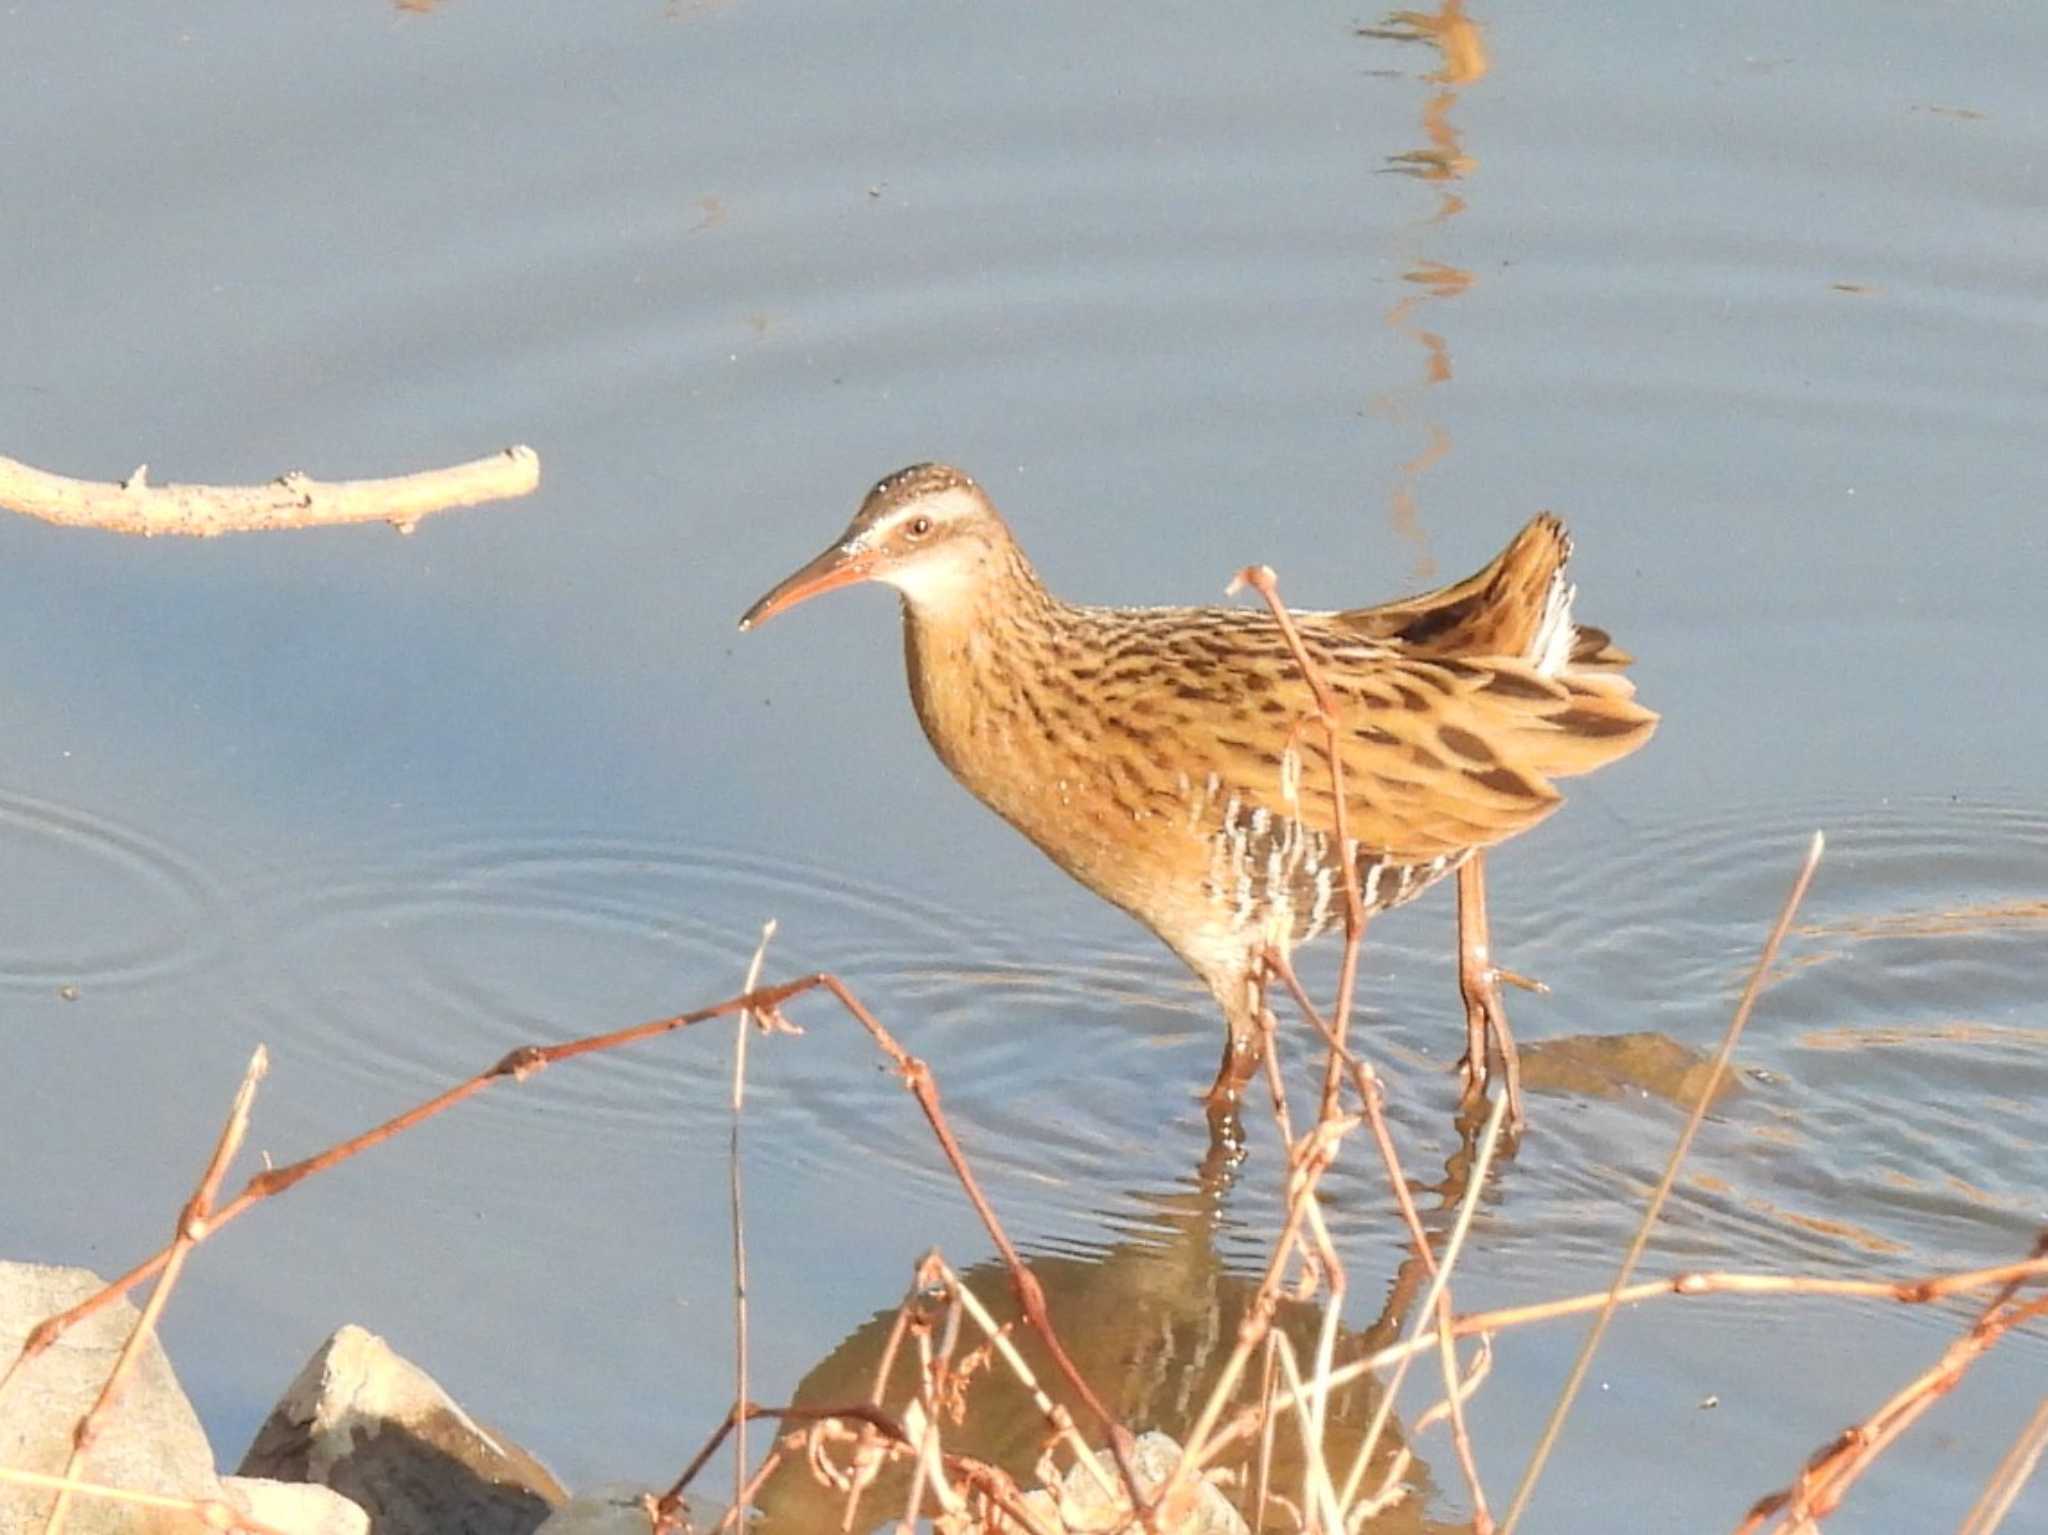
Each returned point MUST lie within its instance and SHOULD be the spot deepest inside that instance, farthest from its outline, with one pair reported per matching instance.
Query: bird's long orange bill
(836, 567)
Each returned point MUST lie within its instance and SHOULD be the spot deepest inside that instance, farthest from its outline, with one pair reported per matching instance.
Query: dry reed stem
(1317, 1491)
(917, 1077)
(862, 1412)
(1322, 1259)
(985, 1479)
(1307, 1160)
(1305, 1169)
(1266, 1427)
(1827, 1477)
(1555, 1425)
(739, 1222)
(1261, 579)
(293, 500)
(1058, 1417)
(1318, 1153)
(880, 1387)
(1454, 1402)
(1692, 1283)
(1489, 1139)
(1311, 1154)
(1452, 1406)
(213, 1513)
(1371, 1093)
(1392, 1489)
(2008, 1477)
(1251, 1331)
(926, 1468)
(191, 1230)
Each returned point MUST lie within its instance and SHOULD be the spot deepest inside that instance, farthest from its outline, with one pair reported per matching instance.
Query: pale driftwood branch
(293, 500)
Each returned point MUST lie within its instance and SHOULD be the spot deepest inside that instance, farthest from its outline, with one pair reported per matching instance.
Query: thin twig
(1370, 1091)
(1827, 1477)
(191, 1230)
(523, 1063)
(1584, 1362)
(293, 500)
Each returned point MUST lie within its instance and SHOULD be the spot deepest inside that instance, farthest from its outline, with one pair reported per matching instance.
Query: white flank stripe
(1320, 913)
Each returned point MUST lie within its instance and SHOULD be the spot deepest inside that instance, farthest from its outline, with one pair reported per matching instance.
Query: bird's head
(927, 530)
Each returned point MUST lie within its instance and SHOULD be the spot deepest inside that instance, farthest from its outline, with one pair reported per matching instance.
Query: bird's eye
(919, 526)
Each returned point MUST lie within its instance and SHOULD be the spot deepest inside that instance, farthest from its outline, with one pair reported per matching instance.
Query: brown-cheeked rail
(1157, 754)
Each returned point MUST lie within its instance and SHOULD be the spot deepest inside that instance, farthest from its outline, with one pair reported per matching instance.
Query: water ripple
(94, 904)
(1883, 1115)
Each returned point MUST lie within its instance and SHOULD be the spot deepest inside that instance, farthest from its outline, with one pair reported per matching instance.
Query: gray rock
(149, 1441)
(379, 1430)
(304, 1508)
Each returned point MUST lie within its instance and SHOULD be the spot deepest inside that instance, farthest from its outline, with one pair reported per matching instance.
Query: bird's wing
(1498, 611)
(1443, 754)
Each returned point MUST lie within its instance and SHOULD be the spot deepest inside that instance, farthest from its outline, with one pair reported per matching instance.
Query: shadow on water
(1151, 1318)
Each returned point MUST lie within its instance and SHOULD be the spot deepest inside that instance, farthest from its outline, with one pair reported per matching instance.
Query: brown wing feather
(1595, 649)
(1494, 612)
(1441, 755)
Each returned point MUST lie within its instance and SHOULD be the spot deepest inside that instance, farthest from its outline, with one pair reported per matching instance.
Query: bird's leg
(1243, 1051)
(1479, 978)
(1475, 982)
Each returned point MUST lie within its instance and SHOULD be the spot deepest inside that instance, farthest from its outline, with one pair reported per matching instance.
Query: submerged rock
(620, 1509)
(1080, 1502)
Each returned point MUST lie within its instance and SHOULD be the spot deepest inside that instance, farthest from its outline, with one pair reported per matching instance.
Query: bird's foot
(1488, 1038)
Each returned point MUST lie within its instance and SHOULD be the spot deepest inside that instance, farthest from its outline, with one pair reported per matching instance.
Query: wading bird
(1159, 755)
